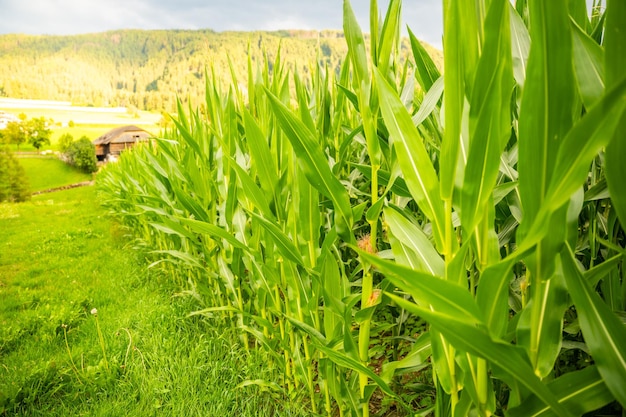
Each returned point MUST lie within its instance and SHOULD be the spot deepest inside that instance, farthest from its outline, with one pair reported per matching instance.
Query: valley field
(79, 121)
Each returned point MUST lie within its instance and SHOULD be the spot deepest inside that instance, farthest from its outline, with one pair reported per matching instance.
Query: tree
(14, 133)
(37, 132)
(64, 142)
(82, 155)
(13, 181)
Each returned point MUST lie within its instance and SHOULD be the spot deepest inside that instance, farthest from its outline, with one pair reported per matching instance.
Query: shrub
(82, 155)
(13, 182)
(64, 142)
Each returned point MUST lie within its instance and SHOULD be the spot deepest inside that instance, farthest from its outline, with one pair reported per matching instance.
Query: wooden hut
(116, 140)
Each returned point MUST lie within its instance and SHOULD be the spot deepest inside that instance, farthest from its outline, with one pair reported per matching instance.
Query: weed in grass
(69, 352)
(94, 313)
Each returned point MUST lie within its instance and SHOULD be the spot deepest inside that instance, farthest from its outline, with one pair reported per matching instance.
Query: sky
(68, 17)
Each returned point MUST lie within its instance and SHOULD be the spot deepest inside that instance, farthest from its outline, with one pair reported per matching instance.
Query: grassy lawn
(141, 355)
(46, 173)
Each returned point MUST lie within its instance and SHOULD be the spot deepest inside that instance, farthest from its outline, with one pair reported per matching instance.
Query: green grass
(60, 257)
(46, 173)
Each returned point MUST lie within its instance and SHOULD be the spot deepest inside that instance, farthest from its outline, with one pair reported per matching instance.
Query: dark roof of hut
(123, 134)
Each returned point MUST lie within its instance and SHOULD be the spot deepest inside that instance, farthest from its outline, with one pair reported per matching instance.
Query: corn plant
(391, 235)
(543, 107)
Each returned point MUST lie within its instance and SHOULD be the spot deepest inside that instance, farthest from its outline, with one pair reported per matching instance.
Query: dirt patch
(65, 187)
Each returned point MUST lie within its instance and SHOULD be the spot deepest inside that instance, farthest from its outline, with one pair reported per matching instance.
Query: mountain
(149, 69)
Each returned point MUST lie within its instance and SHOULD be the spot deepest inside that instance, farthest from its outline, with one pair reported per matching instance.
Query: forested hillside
(148, 69)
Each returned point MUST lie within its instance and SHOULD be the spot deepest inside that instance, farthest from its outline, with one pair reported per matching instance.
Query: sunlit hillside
(149, 69)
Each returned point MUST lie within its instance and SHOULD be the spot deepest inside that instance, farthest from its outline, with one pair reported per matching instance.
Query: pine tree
(13, 181)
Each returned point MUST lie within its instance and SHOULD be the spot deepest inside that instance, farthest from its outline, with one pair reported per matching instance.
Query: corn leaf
(342, 359)
(454, 87)
(283, 242)
(418, 171)
(356, 44)
(214, 231)
(314, 164)
(388, 36)
(489, 116)
(413, 239)
(603, 331)
(540, 324)
(252, 192)
(260, 154)
(588, 65)
(425, 70)
(430, 102)
(493, 293)
(579, 391)
(520, 43)
(546, 112)
(456, 315)
(615, 62)
(583, 142)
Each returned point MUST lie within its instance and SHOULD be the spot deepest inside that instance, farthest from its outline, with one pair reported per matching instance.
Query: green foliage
(14, 134)
(148, 69)
(37, 132)
(64, 142)
(325, 210)
(82, 155)
(13, 181)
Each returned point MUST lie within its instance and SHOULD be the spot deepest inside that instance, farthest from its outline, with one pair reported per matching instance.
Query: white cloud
(84, 16)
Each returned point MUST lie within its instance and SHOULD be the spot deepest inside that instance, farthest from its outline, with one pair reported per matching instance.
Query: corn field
(406, 242)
